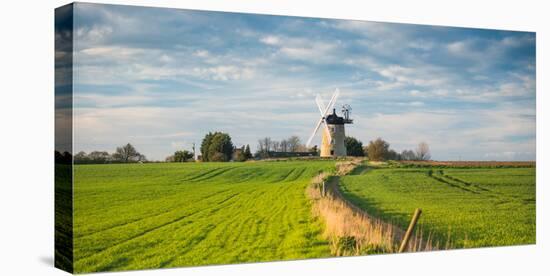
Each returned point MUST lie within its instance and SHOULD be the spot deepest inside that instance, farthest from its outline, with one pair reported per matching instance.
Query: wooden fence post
(408, 234)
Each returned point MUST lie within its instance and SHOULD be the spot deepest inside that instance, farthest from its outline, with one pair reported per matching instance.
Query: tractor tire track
(195, 176)
(153, 229)
(215, 174)
(284, 177)
(297, 175)
(209, 174)
(452, 178)
(448, 183)
(127, 223)
(487, 192)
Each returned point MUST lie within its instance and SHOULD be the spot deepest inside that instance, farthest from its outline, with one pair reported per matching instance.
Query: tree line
(218, 147)
(180, 156)
(63, 157)
(293, 143)
(215, 147)
(379, 150)
(122, 154)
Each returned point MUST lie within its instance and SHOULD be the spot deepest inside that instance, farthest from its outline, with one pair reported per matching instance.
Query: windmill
(332, 143)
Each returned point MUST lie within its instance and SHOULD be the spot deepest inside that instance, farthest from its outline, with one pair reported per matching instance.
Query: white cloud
(270, 40)
(459, 47)
(366, 28)
(110, 100)
(166, 58)
(202, 53)
(476, 138)
(415, 93)
(178, 145)
(303, 49)
(515, 41)
(426, 76)
(92, 35)
(510, 155)
(410, 104)
(421, 45)
(224, 73)
(111, 52)
(128, 64)
(270, 81)
(164, 135)
(315, 52)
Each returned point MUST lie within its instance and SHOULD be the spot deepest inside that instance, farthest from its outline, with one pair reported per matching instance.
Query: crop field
(462, 207)
(139, 216)
(136, 216)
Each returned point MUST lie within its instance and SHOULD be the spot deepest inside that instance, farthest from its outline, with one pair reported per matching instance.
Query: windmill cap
(334, 119)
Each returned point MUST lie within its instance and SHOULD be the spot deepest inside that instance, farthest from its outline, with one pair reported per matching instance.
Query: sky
(161, 79)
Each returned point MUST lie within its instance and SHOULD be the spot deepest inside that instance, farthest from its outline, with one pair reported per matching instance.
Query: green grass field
(140, 216)
(136, 216)
(477, 206)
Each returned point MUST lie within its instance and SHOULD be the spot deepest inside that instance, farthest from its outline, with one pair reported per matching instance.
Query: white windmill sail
(324, 112)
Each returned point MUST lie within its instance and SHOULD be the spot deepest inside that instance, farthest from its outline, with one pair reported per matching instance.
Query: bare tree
(423, 151)
(99, 156)
(264, 144)
(293, 143)
(276, 146)
(408, 155)
(284, 145)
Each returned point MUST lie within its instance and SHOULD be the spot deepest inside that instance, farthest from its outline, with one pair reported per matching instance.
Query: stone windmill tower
(334, 133)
